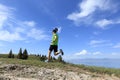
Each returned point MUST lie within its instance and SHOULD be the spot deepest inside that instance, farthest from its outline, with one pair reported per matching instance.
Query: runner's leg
(56, 52)
(49, 55)
(49, 52)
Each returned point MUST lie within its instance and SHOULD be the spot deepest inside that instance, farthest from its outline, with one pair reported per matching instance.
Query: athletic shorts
(53, 47)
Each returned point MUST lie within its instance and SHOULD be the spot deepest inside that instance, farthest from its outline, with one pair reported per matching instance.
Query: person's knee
(49, 52)
(55, 53)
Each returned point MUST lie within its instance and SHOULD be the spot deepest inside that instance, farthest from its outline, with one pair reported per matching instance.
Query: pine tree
(25, 54)
(10, 54)
(20, 54)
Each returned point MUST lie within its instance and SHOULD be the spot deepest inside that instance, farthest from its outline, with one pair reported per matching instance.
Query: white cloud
(59, 29)
(104, 22)
(96, 33)
(12, 29)
(98, 43)
(83, 52)
(97, 53)
(88, 7)
(10, 37)
(5, 9)
(37, 34)
(94, 42)
(117, 45)
(5, 13)
(29, 29)
(19, 30)
(3, 18)
(30, 23)
(115, 54)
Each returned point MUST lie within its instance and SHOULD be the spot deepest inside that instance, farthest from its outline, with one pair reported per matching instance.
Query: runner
(54, 45)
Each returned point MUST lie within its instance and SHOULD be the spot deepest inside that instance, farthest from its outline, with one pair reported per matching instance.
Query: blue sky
(87, 28)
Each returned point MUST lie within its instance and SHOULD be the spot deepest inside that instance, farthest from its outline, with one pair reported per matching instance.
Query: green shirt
(54, 40)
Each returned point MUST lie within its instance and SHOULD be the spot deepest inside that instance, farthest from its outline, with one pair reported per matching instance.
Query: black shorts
(53, 47)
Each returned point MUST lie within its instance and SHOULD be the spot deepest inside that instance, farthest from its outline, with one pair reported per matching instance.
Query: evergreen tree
(25, 54)
(20, 54)
(10, 54)
(38, 55)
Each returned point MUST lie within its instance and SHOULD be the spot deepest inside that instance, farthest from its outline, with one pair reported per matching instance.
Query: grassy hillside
(3, 55)
(34, 61)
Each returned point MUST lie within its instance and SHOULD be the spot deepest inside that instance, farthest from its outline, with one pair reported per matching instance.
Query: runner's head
(55, 30)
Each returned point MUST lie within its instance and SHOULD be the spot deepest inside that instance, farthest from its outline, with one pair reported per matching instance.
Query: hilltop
(34, 69)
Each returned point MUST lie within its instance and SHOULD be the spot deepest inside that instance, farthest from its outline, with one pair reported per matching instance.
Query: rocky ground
(25, 72)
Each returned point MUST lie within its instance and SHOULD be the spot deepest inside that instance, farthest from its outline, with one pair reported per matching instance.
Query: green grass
(34, 61)
(102, 70)
(3, 55)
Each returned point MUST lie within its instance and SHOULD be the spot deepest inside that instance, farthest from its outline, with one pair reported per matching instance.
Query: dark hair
(54, 31)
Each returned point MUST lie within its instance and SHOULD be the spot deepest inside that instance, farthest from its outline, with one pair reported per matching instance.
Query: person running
(54, 45)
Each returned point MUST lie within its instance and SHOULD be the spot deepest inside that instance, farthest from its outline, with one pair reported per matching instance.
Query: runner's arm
(55, 38)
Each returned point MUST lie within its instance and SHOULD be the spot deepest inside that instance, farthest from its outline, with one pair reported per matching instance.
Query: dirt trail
(25, 72)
